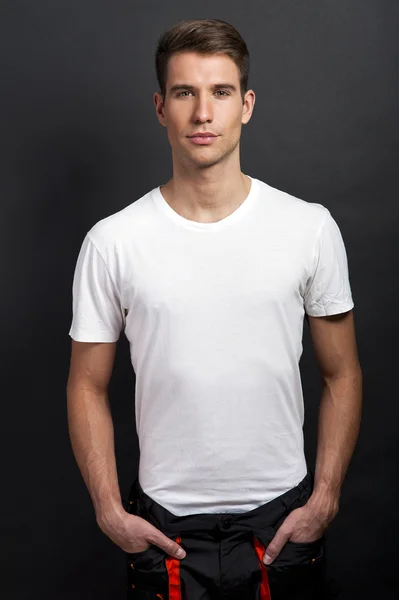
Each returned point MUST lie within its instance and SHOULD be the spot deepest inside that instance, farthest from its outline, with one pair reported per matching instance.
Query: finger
(275, 546)
(169, 546)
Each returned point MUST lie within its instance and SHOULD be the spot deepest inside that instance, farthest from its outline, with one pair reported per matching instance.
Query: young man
(210, 276)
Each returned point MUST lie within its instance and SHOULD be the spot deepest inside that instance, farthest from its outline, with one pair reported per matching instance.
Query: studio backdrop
(80, 141)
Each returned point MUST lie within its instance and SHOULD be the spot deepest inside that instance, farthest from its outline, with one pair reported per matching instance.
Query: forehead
(200, 69)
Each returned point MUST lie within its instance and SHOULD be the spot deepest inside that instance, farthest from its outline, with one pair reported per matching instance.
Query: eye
(184, 93)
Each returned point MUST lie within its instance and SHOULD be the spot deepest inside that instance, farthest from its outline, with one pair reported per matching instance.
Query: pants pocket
(146, 572)
(293, 554)
(300, 554)
(298, 572)
(153, 575)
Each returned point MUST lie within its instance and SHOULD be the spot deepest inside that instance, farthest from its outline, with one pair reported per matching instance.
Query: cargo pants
(224, 554)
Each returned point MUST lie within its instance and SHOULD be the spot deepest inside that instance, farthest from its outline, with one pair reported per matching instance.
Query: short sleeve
(97, 312)
(328, 290)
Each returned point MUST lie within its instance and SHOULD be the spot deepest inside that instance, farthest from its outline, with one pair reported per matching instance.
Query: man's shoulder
(291, 206)
(116, 226)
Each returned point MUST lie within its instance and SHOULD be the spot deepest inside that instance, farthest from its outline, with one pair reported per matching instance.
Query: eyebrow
(183, 86)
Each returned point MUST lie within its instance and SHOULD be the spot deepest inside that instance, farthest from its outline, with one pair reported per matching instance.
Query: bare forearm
(339, 423)
(92, 437)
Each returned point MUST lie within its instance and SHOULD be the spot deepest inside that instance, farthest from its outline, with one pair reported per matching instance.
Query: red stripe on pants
(173, 567)
(264, 586)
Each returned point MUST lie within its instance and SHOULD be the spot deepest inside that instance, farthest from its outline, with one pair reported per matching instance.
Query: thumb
(168, 545)
(275, 546)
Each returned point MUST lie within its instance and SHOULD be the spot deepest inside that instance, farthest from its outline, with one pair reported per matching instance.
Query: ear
(159, 108)
(248, 106)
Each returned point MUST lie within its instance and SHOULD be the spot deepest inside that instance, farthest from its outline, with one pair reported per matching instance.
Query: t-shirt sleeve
(97, 312)
(328, 290)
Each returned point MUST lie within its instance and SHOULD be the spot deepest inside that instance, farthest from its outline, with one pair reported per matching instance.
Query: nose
(203, 109)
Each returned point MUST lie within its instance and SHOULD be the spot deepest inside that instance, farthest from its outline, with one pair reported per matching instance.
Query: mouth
(203, 138)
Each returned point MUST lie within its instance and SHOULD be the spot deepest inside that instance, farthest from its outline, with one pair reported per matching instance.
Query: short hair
(204, 36)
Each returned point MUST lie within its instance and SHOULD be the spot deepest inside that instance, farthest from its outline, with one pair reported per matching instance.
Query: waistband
(263, 516)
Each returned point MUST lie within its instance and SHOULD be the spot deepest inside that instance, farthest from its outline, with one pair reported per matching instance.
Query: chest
(240, 274)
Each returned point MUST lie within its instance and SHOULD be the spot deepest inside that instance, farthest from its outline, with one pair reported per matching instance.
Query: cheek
(174, 131)
(172, 115)
(228, 120)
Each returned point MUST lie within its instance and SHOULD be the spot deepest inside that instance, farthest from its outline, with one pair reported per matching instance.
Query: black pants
(224, 554)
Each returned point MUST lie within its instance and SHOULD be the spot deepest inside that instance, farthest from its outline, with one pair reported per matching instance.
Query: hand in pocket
(302, 526)
(134, 534)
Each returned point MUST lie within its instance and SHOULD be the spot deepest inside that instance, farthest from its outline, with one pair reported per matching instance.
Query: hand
(303, 525)
(134, 534)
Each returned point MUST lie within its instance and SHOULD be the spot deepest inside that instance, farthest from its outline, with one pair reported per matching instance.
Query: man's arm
(90, 423)
(92, 436)
(334, 342)
(335, 347)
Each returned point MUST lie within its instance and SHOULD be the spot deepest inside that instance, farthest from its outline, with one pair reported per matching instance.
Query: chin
(206, 162)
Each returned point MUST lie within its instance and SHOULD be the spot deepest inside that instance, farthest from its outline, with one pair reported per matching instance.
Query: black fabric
(221, 562)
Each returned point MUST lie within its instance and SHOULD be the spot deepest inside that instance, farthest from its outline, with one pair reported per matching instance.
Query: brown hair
(205, 36)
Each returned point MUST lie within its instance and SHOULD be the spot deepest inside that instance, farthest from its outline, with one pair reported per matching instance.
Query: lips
(203, 139)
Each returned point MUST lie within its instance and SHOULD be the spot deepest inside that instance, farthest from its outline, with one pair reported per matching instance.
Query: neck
(207, 196)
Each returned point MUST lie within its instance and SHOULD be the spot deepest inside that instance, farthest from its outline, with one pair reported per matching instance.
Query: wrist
(324, 503)
(109, 512)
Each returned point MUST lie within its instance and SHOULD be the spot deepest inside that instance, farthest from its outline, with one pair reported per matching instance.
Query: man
(210, 277)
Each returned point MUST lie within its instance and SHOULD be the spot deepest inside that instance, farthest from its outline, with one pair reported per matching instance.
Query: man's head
(202, 69)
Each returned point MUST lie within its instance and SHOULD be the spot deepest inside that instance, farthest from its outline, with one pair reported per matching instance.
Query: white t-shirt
(214, 316)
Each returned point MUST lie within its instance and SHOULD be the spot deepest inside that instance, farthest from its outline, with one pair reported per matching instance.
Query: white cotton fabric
(214, 316)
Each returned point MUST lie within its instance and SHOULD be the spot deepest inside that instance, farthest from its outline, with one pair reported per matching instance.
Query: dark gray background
(79, 141)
